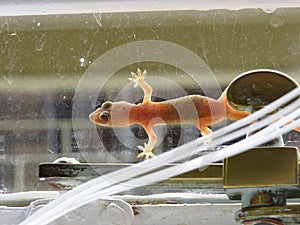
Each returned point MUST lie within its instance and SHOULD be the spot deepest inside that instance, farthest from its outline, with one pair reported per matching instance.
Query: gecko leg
(204, 130)
(138, 79)
(202, 127)
(147, 148)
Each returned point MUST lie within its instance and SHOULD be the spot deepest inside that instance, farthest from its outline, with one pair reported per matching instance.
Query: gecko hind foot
(137, 77)
(145, 152)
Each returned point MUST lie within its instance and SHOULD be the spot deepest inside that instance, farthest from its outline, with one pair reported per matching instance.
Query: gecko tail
(232, 113)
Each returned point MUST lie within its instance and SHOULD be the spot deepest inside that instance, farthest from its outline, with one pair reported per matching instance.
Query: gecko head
(111, 114)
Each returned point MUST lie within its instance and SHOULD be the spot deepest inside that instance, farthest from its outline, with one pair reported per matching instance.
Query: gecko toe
(137, 77)
(144, 74)
(141, 148)
(147, 155)
(141, 155)
(145, 152)
(139, 72)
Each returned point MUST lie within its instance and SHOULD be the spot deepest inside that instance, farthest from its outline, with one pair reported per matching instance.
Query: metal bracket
(263, 178)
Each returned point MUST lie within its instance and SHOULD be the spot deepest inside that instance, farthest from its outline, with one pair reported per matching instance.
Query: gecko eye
(104, 116)
(106, 105)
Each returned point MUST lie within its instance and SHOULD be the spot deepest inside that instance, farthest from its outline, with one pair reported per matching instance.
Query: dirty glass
(55, 68)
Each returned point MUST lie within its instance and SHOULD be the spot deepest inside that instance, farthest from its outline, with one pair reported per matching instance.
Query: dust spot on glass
(9, 79)
(108, 15)
(268, 85)
(15, 108)
(158, 51)
(61, 75)
(3, 190)
(4, 28)
(84, 62)
(116, 25)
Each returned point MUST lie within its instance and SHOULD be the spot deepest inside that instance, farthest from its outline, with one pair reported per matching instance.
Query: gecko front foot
(145, 152)
(137, 77)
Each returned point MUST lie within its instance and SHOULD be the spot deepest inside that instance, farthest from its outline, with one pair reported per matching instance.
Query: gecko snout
(92, 117)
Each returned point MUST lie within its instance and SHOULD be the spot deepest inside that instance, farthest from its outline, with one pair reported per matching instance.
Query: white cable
(270, 133)
(63, 203)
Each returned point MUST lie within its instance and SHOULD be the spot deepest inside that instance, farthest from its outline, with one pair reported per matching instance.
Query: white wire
(62, 205)
(270, 133)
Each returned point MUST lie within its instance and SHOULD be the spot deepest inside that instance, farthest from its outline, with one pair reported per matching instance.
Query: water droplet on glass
(83, 62)
(268, 85)
(294, 47)
(268, 9)
(15, 108)
(277, 22)
(39, 45)
(132, 35)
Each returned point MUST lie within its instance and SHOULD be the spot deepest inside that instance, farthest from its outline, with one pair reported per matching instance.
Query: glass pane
(56, 67)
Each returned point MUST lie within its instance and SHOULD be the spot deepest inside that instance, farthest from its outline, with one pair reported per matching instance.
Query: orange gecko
(197, 110)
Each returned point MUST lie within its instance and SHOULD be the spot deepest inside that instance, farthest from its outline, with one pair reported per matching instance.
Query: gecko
(149, 114)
